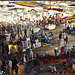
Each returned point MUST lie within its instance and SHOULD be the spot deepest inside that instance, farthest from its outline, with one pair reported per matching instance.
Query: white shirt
(64, 26)
(36, 41)
(43, 32)
(24, 59)
(10, 64)
(73, 66)
(31, 54)
(62, 41)
(7, 38)
(34, 46)
(64, 36)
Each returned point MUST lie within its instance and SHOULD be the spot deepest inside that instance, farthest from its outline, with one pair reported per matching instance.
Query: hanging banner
(15, 46)
(24, 44)
(10, 47)
(28, 43)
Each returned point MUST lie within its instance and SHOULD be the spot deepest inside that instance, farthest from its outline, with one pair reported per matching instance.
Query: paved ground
(50, 50)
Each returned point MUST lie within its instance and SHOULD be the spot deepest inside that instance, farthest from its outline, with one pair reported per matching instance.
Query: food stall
(50, 26)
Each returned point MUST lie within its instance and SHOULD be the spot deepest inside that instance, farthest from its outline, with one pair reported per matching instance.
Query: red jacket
(62, 49)
(43, 21)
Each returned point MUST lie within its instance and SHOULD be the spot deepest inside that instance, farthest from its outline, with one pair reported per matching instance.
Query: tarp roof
(31, 4)
(69, 17)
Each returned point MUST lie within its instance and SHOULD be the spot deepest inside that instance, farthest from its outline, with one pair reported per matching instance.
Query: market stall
(36, 30)
(69, 17)
(50, 27)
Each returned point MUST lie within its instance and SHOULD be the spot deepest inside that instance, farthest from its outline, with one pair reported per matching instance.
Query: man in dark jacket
(25, 32)
(20, 49)
(14, 62)
(2, 44)
(24, 59)
(60, 36)
(32, 31)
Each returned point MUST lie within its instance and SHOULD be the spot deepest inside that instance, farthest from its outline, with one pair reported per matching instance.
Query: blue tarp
(45, 40)
(69, 61)
(60, 55)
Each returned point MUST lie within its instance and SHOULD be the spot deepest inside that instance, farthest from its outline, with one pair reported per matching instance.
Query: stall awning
(27, 3)
(31, 4)
(69, 17)
(56, 9)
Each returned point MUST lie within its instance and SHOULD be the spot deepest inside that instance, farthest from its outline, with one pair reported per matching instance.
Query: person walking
(24, 59)
(6, 46)
(74, 30)
(0, 65)
(22, 69)
(73, 67)
(20, 49)
(62, 42)
(33, 71)
(2, 44)
(64, 35)
(14, 62)
(5, 56)
(32, 31)
(68, 53)
(11, 36)
(3, 30)
(62, 49)
(36, 59)
(56, 51)
(44, 24)
(67, 39)
(25, 32)
(10, 66)
(59, 22)
(30, 55)
(19, 71)
(7, 69)
(18, 31)
(60, 36)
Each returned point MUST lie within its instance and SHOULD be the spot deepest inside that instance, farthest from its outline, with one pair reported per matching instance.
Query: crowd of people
(63, 41)
(14, 62)
(69, 27)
